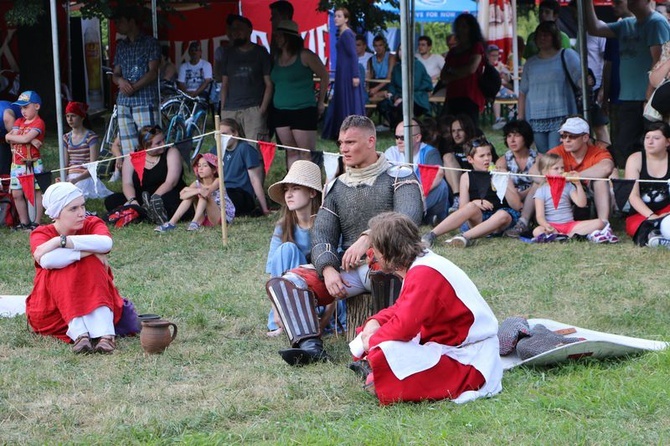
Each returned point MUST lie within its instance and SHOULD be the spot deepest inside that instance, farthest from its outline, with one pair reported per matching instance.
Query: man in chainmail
(369, 186)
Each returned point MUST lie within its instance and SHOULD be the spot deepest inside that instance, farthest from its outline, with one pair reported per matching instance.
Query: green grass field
(222, 381)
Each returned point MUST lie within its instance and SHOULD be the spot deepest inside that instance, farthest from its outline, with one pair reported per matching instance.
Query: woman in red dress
(440, 339)
(74, 297)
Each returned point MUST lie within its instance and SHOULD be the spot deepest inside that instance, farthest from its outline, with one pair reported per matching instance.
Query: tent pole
(406, 65)
(515, 50)
(57, 89)
(583, 59)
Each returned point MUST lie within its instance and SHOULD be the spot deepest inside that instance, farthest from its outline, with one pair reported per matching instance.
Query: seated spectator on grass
(590, 161)
(158, 192)
(74, 297)
(484, 215)
(437, 200)
(552, 219)
(439, 340)
(204, 196)
(650, 201)
(463, 129)
(520, 158)
(243, 172)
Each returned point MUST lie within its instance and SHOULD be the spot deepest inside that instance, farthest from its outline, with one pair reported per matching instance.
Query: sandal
(193, 226)
(106, 345)
(82, 345)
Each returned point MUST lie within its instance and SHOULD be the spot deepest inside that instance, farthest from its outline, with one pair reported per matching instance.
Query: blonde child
(485, 216)
(560, 220)
(26, 138)
(299, 194)
(204, 194)
(81, 147)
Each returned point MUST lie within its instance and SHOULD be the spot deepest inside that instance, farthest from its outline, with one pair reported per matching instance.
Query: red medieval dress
(439, 340)
(60, 295)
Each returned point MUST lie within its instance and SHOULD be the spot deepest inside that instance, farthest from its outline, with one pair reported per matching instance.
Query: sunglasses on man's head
(479, 142)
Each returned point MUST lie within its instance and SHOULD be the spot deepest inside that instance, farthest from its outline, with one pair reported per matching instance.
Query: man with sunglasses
(437, 193)
(195, 75)
(585, 160)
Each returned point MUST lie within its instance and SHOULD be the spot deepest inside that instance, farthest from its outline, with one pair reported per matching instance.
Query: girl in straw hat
(299, 193)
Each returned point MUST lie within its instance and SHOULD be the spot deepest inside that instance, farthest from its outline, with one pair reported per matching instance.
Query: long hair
(288, 220)
(293, 43)
(662, 126)
(237, 128)
(397, 238)
(474, 31)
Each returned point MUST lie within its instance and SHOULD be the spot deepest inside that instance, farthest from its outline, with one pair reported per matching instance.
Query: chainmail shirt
(346, 211)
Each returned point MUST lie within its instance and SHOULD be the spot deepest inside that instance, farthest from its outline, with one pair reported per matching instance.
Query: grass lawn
(222, 381)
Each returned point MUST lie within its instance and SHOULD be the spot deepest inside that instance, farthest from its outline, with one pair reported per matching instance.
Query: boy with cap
(26, 139)
(195, 75)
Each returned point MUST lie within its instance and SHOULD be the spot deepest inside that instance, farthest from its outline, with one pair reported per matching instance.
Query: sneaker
(21, 227)
(153, 206)
(194, 226)
(459, 241)
(428, 239)
(455, 204)
(165, 227)
(516, 231)
(499, 124)
(545, 238)
(32, 226)
(116, 176)
(657, 241)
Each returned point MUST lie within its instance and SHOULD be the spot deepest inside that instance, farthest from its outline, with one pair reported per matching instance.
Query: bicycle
(186, 125)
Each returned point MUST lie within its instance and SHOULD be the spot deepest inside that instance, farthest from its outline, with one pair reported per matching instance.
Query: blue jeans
(545, 141)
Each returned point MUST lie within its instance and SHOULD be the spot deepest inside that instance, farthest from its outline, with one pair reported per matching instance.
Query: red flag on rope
(137, 159)
(556, 186)
(427, 174)
(268, 150)
(28, 185)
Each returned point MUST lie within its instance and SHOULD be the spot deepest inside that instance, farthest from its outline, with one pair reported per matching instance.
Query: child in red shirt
(26, 138)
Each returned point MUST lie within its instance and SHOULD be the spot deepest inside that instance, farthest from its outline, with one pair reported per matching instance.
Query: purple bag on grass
(128, 325)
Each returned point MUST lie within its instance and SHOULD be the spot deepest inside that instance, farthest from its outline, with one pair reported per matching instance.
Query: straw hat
(302, 173)
(288, 27)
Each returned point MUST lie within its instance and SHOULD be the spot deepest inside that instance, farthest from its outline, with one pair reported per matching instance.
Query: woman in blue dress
(349, 94)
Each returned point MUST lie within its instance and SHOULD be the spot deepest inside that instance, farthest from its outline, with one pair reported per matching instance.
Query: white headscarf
(59, 195)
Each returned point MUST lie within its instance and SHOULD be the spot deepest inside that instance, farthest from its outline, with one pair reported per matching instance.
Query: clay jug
(155, 335)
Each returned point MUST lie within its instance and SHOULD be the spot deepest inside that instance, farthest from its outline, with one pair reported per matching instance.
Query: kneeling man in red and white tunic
(439, 340)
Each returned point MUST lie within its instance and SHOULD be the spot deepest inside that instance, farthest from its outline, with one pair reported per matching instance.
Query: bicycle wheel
(196, 139)
(169, 110)
(176, 131)
(106, 168)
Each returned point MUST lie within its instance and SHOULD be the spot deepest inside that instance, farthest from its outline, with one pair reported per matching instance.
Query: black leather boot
(308, 351)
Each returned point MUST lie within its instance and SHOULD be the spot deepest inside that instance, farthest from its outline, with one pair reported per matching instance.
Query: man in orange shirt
(589, 161)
